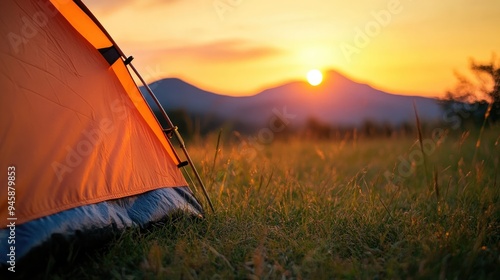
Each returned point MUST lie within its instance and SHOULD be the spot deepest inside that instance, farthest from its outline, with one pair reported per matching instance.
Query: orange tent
(84, 145)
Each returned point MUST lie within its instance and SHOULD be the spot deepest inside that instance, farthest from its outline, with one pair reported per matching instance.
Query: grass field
(329, 209)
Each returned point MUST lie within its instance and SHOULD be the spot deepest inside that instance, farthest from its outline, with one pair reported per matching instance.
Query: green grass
(323, 210)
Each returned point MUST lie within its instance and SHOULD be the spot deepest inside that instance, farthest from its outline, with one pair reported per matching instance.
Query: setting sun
(314, 77)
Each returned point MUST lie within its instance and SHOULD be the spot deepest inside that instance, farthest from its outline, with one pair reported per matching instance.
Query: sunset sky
(239, 47)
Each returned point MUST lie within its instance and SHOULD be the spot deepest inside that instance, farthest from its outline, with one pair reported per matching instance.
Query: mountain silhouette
(337, 101)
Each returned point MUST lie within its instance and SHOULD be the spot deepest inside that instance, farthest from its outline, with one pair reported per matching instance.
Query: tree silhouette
(483, 91)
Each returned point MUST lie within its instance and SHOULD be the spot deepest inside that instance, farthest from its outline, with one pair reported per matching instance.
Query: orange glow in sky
(239, 47)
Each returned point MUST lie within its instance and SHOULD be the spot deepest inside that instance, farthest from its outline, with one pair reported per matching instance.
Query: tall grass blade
(420, 140)
(436, 184)
(478, 142)
(215, 156)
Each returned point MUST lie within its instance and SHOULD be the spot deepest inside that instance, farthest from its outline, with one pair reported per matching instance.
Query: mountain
(337, 101)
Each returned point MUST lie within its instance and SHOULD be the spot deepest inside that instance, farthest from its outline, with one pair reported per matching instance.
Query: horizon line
(290, 81)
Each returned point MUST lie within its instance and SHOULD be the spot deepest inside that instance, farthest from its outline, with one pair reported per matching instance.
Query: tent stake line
(167, 131)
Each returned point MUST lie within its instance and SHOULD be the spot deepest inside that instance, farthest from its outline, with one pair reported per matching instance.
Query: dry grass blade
(421, 141)
(215, 157)
(436, 184)
(385, 207)
(478, 142)
(216, 150)
(215, 252)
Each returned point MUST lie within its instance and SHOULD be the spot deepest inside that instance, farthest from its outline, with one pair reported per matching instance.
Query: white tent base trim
(108, 218)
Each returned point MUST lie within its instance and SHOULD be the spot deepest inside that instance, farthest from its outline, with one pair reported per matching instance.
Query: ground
(308, 209)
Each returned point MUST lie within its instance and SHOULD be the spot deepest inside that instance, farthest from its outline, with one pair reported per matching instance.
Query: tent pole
(164, 114)
(177, 135)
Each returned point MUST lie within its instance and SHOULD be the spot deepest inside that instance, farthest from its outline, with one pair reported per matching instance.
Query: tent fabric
(84, 25)
(72, 127)
(76, 128)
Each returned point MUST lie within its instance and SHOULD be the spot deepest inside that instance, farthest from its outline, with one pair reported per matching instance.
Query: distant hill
(337, 101)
